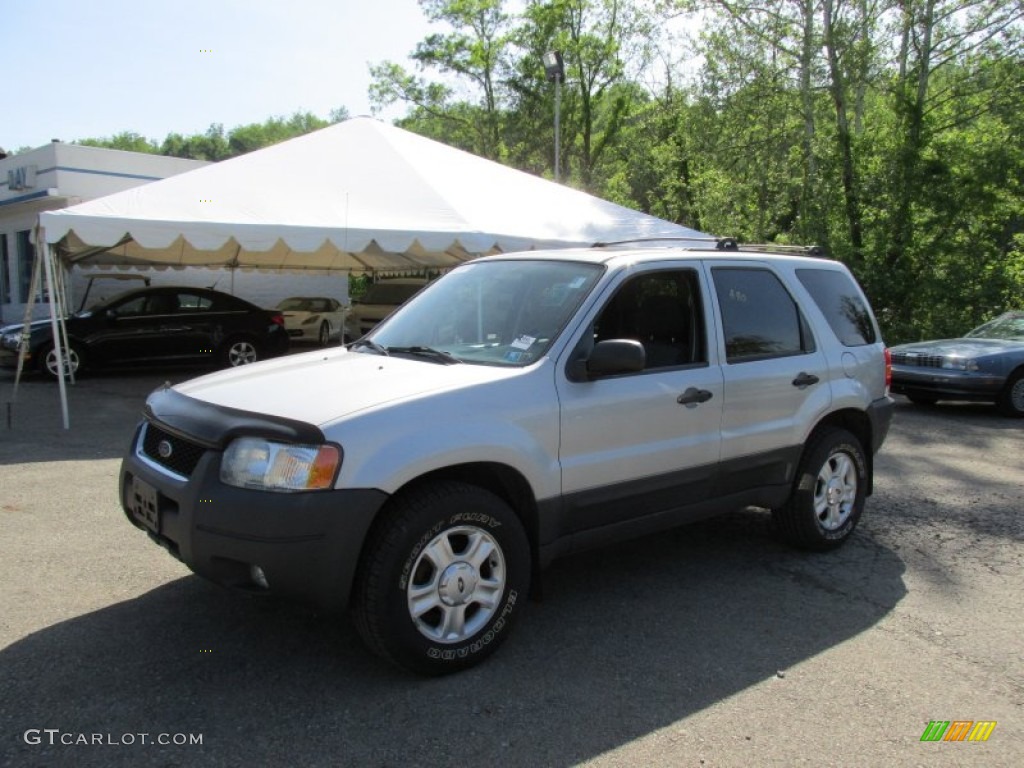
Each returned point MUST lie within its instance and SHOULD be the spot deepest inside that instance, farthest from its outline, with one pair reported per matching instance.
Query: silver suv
(520, 408)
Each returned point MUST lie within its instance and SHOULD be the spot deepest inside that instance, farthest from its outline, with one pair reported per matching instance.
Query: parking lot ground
(713, 645)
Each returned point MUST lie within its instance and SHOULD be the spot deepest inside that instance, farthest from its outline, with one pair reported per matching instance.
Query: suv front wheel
(828, 494)
(442, 578)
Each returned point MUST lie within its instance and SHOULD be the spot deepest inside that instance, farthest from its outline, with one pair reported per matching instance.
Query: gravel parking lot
(711, 646)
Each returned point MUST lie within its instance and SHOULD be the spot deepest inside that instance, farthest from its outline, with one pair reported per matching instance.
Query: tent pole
(26, 326)
(58, 342)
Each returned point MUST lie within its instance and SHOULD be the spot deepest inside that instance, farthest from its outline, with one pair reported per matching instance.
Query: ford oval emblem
(164, 449)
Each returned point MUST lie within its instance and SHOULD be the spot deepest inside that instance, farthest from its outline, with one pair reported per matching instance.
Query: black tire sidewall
(324, 334)
(453, 506)
(803, 520)
(1005, 401)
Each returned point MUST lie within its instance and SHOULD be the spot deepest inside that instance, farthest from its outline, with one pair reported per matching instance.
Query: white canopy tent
(357, 196)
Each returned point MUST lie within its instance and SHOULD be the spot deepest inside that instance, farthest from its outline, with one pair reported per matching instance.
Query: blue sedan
(986, 364)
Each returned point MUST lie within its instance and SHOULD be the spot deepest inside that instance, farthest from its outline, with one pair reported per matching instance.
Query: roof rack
(722, 244)
(808, 250)
(668, 239)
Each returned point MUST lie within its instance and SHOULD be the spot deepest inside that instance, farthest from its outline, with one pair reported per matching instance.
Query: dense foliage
(216, 143)
(888, 131)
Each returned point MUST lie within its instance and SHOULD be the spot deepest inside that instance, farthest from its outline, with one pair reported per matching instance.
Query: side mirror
(609, 358)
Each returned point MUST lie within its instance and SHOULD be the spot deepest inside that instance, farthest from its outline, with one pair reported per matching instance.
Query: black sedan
(986, 364)
(164, 325)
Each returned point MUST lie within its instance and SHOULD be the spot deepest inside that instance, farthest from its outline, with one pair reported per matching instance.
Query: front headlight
(959, 364)
(311, 319)
(252, 462)
(11, 340)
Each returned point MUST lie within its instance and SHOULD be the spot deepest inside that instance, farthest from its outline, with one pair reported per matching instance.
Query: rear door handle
(693, 396)
(805, 380)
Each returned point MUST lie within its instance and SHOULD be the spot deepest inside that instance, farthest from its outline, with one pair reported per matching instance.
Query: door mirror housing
(609, 358)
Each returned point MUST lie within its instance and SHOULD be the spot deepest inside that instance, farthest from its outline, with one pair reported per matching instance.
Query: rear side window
(191, 302)
(759, 317)
(840, 302)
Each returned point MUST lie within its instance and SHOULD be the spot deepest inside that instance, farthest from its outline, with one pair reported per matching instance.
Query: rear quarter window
(759, 317)
(840, 302)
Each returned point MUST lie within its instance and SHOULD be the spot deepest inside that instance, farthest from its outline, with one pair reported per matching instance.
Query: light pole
(555, 70)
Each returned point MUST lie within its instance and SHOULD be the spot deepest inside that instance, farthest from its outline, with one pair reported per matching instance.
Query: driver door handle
(805, 380)
(694, 396)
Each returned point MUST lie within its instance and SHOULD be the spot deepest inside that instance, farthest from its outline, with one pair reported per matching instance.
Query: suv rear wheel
(829, 492)
(442, 578)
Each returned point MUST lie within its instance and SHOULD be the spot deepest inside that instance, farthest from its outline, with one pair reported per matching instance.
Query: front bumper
(9, 359)
(946, 384)
(306, 544)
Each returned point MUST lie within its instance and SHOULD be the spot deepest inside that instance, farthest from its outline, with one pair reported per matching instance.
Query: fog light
(259, 578)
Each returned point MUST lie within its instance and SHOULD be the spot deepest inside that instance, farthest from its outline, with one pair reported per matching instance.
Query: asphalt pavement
(712, 645)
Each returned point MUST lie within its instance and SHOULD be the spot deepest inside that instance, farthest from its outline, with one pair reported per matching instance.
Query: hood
(323, 386)
(967, 348)
(34, 326)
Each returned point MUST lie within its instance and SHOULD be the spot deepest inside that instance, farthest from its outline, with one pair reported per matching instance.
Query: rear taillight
(277, 318)
(888, 370)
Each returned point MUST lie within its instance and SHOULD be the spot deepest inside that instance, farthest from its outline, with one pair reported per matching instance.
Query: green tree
(473, 54)
(126, 140)
(216, 144)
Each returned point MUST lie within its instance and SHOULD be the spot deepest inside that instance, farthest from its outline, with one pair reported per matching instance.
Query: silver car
(986, 365)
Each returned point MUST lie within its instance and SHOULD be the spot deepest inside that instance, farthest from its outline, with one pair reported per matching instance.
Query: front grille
(183, 455)
(921, 361)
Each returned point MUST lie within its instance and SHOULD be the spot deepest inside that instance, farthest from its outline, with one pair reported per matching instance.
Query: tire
(325, 334)
(46, 360)
(442, 578)
(1011, 398)
(923, 399)
(828, 492)
(240, 350)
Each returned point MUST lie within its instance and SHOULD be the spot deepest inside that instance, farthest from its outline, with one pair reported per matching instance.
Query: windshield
(390, 293)
(491, 312)
(1007, 326)
(102, 302)
(303, 305)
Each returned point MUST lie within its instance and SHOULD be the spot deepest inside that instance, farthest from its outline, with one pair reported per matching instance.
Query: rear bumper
(278, 343)
(880, 414)
(306, 544)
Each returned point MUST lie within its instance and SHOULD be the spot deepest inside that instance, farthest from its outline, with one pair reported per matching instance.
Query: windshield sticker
(523, 342)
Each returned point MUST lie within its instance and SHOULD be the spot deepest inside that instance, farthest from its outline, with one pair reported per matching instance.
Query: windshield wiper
(373, 345)
(438, 355)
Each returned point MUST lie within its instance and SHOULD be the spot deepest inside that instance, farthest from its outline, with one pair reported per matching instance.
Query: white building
(55, 176)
